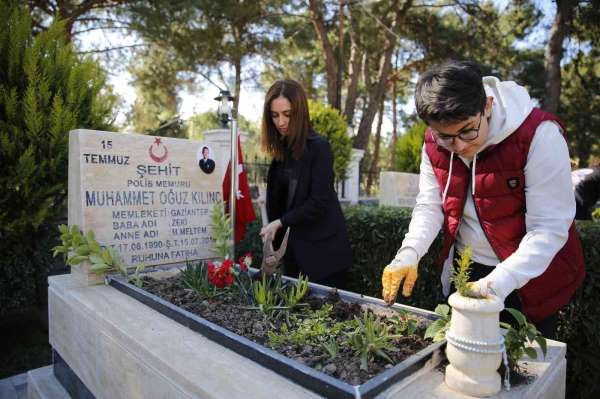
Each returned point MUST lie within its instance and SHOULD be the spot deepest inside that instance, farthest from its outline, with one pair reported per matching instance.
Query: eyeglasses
(448, 139)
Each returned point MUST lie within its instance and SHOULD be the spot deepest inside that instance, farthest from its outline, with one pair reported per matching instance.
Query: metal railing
(256, 172)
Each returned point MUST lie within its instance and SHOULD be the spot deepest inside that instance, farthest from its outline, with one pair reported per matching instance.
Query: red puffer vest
(500, 203)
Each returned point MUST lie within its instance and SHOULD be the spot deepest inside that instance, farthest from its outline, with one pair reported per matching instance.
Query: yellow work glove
(403, 268)
(482, 288)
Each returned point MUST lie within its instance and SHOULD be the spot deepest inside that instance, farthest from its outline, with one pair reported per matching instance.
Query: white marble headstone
(145, 196)
(398, 189)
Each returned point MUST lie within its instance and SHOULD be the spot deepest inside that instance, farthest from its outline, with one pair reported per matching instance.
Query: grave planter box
(303, 375)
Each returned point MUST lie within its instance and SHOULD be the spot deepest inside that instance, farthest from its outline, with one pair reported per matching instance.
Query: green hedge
(46, 90)
(376, 234)
(579, 323)
(24, 270)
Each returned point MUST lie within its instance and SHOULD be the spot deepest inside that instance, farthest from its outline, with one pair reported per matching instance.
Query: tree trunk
(353, 74)
(553, 53)
(377, 90)
(394, 124)
(340, 70)
(238, 85)
(237, 65)
(373, 169)
(331, 63)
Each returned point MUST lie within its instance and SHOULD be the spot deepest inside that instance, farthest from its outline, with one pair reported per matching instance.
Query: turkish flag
(244, 211)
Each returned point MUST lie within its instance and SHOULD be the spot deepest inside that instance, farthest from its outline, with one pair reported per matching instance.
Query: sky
(191, 102)
(251, 98)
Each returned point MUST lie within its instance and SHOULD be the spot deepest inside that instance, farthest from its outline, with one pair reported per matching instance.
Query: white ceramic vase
(474, 346)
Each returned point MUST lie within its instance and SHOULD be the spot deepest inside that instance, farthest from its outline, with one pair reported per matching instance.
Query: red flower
(222, 275)
(226, 265)
(245, 262)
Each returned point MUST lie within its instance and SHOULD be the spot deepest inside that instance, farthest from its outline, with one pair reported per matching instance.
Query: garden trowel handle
(272, 258)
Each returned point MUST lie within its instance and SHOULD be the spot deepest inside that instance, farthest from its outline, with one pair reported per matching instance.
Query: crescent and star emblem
(156, 144)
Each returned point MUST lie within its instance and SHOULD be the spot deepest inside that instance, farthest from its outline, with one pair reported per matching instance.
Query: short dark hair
(204, 148)
(451, 92)
(299, 125)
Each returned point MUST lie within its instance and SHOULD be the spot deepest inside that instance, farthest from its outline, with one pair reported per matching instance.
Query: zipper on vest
(477, 210)
(462, 213)
(516, 291)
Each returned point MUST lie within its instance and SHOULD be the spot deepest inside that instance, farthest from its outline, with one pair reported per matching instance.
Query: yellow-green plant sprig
(461, 273)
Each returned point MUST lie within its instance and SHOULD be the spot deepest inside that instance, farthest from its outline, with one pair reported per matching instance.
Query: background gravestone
(398, 189)
(145, 196)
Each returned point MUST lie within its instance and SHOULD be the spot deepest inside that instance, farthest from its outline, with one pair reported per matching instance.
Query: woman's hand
(270, 229)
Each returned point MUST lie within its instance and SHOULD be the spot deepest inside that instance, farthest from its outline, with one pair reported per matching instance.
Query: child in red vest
(495, 175)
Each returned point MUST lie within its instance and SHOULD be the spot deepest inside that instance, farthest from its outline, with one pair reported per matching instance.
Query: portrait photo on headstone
(205, 161)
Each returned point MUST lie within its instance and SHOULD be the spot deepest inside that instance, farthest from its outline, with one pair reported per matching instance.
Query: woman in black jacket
(300, 190)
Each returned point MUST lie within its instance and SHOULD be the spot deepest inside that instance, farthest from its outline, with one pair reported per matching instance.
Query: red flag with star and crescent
(244, 211)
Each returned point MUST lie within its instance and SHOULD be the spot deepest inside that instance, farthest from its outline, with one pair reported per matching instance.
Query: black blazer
(318, 237)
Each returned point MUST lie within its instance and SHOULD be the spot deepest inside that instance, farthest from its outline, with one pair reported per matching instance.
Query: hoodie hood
(512, 104)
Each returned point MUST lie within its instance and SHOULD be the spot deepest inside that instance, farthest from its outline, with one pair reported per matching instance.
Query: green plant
(266, 295)
(137, 275)
(328, 122)
(313, 327)
(222, 232)
(243, 283)
(578, 321)
(46, 90)
(408, 148)
(195, 277)
(371, 339)
(293, 295)
(403, 323)
(518, 339)
(461, 272)
(332, 348)
(437, 329)
(77, 248)
(278, 339)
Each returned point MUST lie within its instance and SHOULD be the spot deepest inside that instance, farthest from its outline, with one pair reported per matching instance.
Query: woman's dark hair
(298, 127)
(451, 92)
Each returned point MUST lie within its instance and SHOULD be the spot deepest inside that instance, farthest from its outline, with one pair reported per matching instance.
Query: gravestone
(398, 189)
(150, 198)
(349, 189)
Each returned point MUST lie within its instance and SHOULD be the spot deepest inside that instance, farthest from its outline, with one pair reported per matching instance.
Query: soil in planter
(232, 313)
(517, 377)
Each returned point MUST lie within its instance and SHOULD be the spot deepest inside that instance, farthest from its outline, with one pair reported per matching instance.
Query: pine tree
(45, 91)
(408, 149)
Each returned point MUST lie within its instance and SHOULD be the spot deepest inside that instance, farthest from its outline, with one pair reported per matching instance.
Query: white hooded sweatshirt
(550, 202)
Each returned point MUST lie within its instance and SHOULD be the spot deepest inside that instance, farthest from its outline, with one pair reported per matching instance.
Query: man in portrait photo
(206, 164)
